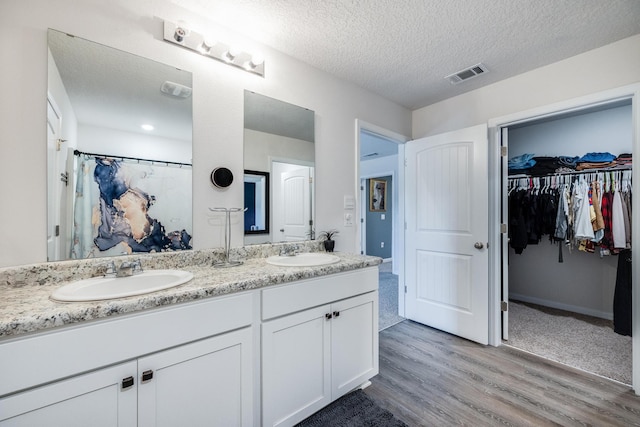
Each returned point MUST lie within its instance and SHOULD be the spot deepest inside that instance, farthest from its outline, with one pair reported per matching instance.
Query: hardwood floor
(431, 378)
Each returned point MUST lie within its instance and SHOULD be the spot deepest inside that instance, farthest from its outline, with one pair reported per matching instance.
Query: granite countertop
(27, 309)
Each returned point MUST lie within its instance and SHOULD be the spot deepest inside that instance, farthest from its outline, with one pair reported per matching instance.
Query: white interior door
(447, 232)
(54, 120)
(296, 204)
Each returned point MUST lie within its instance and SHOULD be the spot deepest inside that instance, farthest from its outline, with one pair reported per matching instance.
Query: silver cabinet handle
(478, 245)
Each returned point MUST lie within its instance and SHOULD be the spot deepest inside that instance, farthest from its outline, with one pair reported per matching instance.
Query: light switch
(348, 219)
(383, 216)
(349, 202)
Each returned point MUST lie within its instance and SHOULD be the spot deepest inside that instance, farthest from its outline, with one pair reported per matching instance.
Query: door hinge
(405, 162)
(503, 228)
(64, 177)
(57, 230)
(405, 289)
(310, 180)
(504, 306)
(59, 143)
(361, 220)
(503, 151)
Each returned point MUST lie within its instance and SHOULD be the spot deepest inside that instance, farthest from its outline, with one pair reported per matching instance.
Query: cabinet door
(296, 373)
(205, 383)
(94, 399)
(354, 342)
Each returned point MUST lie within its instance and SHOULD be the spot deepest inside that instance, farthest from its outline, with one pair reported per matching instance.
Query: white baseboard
(561, 306)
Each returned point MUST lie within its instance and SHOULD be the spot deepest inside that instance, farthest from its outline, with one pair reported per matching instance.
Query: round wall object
(221, 177)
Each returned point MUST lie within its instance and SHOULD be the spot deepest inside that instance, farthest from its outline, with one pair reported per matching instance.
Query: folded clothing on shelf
(524, 161)
(624, 159)
(545, 166)
(597, 158)
(586, 165)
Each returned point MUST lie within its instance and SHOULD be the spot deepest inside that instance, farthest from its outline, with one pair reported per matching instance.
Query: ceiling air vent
(467, 73)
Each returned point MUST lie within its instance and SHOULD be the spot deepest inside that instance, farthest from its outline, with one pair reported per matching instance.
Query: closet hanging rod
(613, 169)
(82, 153)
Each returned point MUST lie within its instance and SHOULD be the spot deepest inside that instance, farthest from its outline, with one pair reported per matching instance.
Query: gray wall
(380, 230)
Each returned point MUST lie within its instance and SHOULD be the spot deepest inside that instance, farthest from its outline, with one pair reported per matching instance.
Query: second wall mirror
(279, 152)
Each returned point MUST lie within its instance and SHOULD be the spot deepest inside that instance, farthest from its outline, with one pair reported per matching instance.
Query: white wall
(114, 142)
(260, 147)
(608, 67)
(606, 130)
(136, 27)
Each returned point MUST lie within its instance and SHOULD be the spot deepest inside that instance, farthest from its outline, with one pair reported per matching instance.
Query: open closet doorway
(566, 261)
(381, 173)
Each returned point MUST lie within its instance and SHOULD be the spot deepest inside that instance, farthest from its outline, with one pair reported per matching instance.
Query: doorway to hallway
(381, 215)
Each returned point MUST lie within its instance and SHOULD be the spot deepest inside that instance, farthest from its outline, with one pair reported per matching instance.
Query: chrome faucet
(137, 267)
(110, 269)
(126, 269)
(289, 250)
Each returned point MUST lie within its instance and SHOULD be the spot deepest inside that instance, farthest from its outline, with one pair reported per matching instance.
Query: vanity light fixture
(180, 34)
(255, 61)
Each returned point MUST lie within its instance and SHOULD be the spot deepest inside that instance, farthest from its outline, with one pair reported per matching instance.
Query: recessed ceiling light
(147, 127)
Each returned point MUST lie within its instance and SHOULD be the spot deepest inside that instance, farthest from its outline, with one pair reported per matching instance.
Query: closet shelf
(582, 172)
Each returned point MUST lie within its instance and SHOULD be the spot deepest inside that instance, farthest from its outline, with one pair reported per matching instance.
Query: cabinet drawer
(304, 294)
(84, 347)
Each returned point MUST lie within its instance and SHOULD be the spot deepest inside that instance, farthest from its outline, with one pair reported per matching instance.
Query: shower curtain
(124, 207)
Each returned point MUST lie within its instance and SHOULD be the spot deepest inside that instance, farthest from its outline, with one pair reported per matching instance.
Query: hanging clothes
(588, 211)
(617, 222)
(582, 209)
(622, 308)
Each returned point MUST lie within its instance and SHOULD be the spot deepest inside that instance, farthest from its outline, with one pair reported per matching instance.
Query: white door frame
(631, 92)
(398, 242)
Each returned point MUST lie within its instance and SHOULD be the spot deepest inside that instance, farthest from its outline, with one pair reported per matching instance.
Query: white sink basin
(102, 288)
(313, 259)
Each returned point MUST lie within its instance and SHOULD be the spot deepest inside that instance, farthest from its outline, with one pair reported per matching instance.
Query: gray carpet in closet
(577, 340)
(388, 297)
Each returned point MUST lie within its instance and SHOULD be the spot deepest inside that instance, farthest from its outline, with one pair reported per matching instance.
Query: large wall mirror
(279, 162)
(119, 132)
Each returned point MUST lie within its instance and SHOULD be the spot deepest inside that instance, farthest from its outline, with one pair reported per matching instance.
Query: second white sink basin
(103, 288)
(312, 259)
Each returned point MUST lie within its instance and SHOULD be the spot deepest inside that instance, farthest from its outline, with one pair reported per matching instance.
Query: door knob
(478, 245)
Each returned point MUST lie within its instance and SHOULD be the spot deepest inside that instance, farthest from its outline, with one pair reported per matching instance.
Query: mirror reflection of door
(54, 187)
(292, 206)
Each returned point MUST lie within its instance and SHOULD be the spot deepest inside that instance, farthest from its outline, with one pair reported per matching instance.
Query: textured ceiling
(402, 49)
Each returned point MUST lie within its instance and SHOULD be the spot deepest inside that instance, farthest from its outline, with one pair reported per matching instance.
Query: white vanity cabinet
(319, 341)
(207, 383)
(191, 364)
(94, 399)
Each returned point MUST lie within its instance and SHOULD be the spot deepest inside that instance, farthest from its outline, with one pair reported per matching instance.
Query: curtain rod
(81, 153)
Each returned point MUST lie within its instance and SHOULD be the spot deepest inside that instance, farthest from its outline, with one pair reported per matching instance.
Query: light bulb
(205, 46)
(182, 31)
